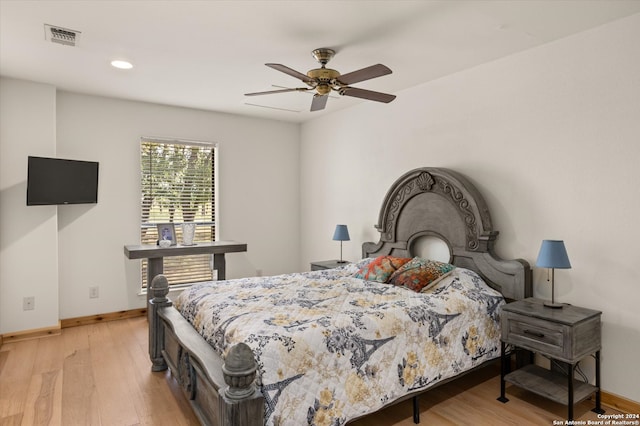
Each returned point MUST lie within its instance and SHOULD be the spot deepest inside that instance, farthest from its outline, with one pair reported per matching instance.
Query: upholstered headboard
(441, 203)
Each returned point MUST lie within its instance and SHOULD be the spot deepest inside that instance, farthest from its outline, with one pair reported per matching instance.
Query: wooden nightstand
(326, 264)
(567, 335)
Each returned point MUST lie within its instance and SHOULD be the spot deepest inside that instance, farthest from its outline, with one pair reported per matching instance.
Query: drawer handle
(534, 333)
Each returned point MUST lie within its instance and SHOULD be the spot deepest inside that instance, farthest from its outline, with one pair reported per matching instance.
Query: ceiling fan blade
(270, 92)
(367, 94)
(364, 74)
(291, 72)
(319, 102)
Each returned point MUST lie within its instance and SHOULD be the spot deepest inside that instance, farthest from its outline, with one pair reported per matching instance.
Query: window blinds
(178, 186)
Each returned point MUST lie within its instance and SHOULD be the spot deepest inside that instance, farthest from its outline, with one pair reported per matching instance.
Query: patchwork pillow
(420, 274)
(381, 268)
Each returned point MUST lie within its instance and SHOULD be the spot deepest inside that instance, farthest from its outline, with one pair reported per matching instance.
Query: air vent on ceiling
(61, 35)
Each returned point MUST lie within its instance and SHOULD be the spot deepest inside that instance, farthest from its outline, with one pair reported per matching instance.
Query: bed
(327, 347)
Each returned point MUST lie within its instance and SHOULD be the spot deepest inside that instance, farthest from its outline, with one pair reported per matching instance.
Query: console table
(156, 254)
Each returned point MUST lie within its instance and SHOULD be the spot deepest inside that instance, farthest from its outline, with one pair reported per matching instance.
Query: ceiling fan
(323, 80)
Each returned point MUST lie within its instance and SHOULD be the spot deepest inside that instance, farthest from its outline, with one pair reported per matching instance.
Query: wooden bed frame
(433, 202)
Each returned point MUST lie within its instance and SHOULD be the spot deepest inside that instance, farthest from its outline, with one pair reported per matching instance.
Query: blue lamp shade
(341, 233)
(553, 255)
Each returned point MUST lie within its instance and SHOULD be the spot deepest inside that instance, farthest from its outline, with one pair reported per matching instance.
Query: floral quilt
(331, 347)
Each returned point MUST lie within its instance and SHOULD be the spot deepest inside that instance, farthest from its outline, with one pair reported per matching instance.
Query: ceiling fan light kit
(324, 80)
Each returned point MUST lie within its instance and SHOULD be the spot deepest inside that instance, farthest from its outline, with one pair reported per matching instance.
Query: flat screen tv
(57, 181)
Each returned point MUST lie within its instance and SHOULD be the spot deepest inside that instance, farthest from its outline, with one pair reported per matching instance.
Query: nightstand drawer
(566, 334)
(534, 334)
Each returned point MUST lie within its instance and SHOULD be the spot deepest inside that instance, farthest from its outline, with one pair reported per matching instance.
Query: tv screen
(58, 181)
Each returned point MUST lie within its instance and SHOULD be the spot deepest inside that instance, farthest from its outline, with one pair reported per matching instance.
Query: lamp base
(553, 305)
(342, 261)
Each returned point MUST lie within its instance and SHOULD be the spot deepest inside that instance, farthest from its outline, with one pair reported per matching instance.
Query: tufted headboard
(441, 203)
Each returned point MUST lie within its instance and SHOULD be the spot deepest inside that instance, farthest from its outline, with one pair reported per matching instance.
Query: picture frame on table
(167, 231)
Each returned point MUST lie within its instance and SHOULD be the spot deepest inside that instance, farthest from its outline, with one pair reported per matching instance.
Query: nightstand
(326, 264)
(567, 335)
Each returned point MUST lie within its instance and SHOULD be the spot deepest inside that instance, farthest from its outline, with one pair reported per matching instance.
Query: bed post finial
(159, 288)
(159, 291)
(239, 371)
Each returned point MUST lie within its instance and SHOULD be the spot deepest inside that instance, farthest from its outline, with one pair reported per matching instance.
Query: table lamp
(553, 255)
(341, 234)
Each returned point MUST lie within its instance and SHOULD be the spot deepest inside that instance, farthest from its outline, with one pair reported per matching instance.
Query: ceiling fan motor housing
(324, 77)
(323, 74)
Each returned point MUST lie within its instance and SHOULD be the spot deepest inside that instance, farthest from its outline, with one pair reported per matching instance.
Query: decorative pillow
(381, 268)
(420, 274)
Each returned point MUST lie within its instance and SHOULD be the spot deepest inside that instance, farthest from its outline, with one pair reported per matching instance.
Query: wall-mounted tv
(57, 181)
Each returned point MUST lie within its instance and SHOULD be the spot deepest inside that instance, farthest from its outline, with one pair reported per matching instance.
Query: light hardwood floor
(100, 375)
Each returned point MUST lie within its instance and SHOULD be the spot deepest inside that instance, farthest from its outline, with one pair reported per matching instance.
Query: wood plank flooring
(100, 374)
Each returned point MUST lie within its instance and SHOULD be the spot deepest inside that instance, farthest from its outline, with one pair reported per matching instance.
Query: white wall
(28, 236)
(549, 136)
(258, 198)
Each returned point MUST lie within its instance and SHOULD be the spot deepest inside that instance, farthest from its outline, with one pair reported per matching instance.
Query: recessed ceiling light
(123, 65)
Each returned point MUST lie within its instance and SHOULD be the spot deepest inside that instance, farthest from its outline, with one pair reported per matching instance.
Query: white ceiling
(207, 54)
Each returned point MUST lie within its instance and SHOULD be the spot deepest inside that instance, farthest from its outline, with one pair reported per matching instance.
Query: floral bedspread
(331, 347)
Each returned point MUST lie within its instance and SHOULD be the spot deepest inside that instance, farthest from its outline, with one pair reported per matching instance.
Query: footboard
(221, 392)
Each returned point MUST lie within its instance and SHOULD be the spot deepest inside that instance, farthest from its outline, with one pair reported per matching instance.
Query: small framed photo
(167, 231)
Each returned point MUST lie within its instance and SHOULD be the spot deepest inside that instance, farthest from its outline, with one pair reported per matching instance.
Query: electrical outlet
(28, 303)
(94, 292)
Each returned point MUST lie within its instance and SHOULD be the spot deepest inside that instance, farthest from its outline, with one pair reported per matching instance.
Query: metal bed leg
(416, 410)
(504, 361)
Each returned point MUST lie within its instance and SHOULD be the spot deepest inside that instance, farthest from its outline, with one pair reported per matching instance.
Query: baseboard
(95, 319)
(70, 322)
(619, 403)
(30, 334)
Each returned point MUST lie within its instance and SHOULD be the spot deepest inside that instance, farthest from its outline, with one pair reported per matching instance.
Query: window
(178, 186)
